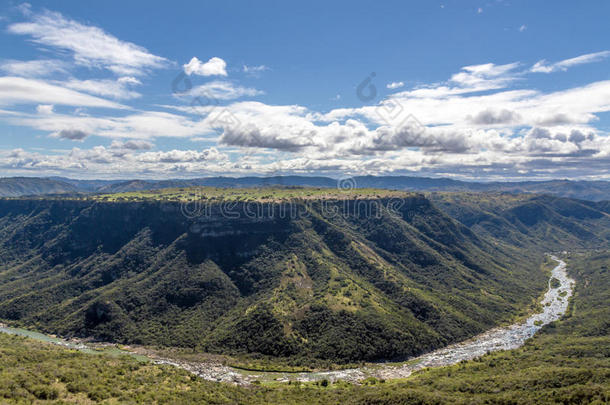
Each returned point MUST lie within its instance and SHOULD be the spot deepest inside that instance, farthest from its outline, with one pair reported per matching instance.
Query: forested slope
(567, 362)
(359, 284)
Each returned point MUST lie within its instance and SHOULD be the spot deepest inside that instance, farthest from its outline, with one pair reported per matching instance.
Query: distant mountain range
(579, 189)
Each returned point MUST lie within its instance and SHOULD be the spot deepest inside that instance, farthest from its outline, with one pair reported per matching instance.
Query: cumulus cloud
(132, 145)
(577, 136)
(71, 134)
(556, 119)
(563, 142)
(182, 156)
(115, 163)
(255, 137)
(255, 124)
(494, 117)
(543, 66)
(89, 45)
(213, 67)
(470, 123)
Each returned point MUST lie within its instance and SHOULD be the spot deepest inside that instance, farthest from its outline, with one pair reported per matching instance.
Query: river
(554, 304)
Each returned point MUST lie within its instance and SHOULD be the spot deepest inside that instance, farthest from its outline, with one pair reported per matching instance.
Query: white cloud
(132, 145)
(395, 85)
(453, 122)
(24, 8)
(543, 66)
(179, 156)
(254, 70)
(223, 90)
(522, 28)
(117, 89)
(100, 161)
(33, 68)
(487, 76)
(17, 90)
(129, 80)
(213, 67)
(45, 109)
(145, 125)
(469, 124)
(90, 46)
(470, 79)
(71, 134)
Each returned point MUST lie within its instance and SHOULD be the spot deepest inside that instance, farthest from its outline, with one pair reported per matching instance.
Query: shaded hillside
(364, 279)
(530, 221)
(86, 185)
(20, 186)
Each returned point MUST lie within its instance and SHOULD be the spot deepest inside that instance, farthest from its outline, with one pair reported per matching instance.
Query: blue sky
(483, 90)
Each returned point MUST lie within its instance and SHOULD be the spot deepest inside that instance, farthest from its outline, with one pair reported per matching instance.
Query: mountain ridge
(580, 189)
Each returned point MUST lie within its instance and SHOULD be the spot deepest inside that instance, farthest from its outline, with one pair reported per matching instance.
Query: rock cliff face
(340, 280)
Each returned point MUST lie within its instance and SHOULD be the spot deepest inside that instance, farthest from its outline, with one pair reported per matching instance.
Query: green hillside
(360, 275)
(530, 221)
(19, 186)
(567, 362)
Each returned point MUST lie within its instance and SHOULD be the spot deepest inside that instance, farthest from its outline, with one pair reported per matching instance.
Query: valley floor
(567, 362)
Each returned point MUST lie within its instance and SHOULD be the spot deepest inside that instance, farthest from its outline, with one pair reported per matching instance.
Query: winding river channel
(554, 304)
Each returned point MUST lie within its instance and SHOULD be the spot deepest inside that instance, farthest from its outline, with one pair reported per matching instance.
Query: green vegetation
(530, 222)
(348, 281)
(218, 194)
(567, 362)
(18, 186)
(268, 194)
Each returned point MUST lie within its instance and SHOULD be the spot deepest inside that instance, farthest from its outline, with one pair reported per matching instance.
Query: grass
(253, 194)
(264, 194)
